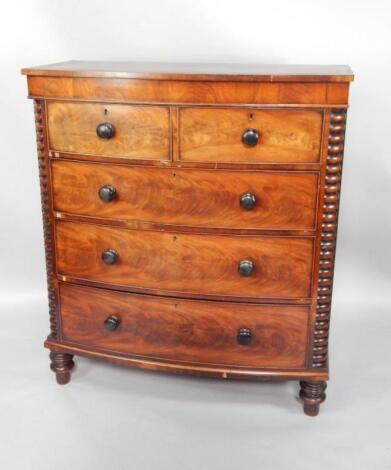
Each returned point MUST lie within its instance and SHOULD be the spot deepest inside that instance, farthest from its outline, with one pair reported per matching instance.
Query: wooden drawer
(191, 263)
(139, 131)
(194, 331)
(187, 197)
(285, 136)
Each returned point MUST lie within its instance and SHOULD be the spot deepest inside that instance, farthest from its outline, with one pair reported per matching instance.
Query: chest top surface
(196, 71)
(187, 83)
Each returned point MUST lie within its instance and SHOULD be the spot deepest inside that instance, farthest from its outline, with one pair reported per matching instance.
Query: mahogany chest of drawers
(190, 216)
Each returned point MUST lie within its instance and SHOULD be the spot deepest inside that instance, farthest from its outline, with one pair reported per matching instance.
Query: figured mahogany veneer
(139, 131)
(202, 264)
(188, 92)
(185, 329)
(187, 197)
(285, 136)
(190, 216)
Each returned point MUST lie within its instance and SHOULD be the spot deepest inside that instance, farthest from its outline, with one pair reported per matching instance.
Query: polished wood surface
(206, 264)
(188, 197)
(194, 331)
(47, 213)
(313, 394)
(328, 236)
(286, 136)
(185, 92)
(152, 260)
(183, 367)
(61, 364)
(194, 71)
(140, 131)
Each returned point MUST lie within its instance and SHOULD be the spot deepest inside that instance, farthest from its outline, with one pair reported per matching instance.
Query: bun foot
(312, 394)
(61, 365)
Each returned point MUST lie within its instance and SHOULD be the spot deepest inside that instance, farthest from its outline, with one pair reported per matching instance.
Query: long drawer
(195, 331)
(111, 130)
(250, 266)
(211, 198)
(250, 135)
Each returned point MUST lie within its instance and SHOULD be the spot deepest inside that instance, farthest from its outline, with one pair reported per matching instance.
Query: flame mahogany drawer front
(111, 130)
(231, 199)
(250, 266)
(190, 216)
(194, 331)
(250, 135)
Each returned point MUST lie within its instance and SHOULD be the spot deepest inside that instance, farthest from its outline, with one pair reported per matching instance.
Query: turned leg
(61, 365)
(312, 394)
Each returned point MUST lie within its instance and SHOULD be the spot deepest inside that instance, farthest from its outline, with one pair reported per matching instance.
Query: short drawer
(111, 130)
(249, 266)
(194, 331)
(250, 135)
(209, 198)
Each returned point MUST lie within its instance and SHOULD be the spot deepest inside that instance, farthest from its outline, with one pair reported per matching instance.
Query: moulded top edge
(196, 71)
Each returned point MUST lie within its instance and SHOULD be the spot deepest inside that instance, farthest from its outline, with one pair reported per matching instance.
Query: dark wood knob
(107, 193)
(244, 336)
(247, 201)
(250, 137)
(105, 130)
(246, 267)
(110, 256)
(112, 322)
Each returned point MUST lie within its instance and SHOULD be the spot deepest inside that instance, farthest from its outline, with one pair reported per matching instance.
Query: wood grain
(187, 197)
(186, 368)
(47, 213)
(180, 92)
(179, 166)
(140, 131)
(328, 236)
(286, 136)
(194, 71)
(206, 264)
(313, 394)
(200, 332)
(61, 365)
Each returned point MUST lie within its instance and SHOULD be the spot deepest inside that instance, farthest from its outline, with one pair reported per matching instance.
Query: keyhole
(174, 238)
(106, 111)
(250, 116)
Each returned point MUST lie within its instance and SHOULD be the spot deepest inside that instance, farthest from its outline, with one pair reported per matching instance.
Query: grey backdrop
(115, 418)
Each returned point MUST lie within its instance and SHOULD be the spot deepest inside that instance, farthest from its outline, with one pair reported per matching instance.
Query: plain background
(109, 417)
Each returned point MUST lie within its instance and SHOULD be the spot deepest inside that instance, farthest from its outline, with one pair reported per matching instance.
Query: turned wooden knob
(244, 336)
(110, 256)
(107, 193)
(112, 322)
(246, 267)
(105, 130)
(250, 137)
(247, 201)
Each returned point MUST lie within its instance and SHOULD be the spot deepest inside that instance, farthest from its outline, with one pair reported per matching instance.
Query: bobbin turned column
(312, 394)
(61, 365)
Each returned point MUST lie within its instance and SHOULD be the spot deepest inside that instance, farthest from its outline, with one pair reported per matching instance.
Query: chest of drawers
(190, 216)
